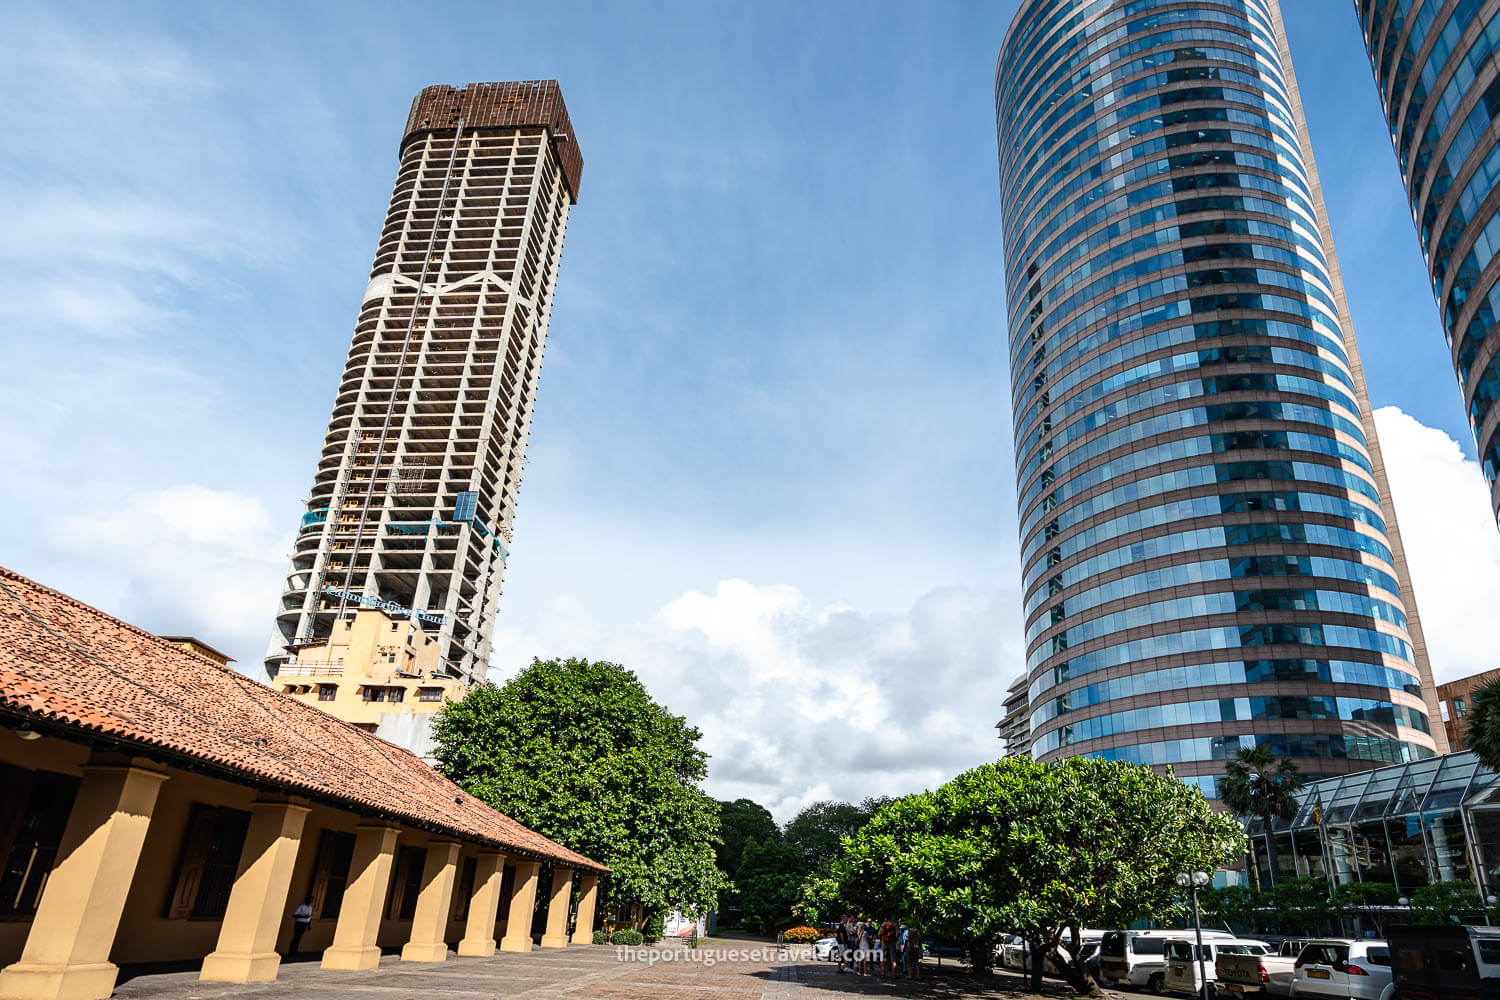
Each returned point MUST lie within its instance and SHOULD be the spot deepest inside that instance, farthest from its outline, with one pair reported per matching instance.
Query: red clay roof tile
(66, 663)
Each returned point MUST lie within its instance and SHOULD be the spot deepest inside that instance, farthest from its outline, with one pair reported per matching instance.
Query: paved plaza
(740, 971)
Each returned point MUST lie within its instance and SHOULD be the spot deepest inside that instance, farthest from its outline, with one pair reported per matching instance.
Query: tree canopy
(769, 879)
(579, 752)
(741, 821)
(817, 830)
(1259, 784)
(1042, 849)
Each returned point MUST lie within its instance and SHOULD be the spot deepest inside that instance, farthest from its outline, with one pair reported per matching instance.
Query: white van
(1182, 963)
(1138, 958)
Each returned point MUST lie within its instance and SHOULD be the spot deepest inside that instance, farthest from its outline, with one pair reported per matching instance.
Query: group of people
(891, 948)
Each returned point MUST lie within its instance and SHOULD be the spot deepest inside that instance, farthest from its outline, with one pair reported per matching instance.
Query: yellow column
(484, 906)
(364, 898)
(429, 924)
(246, 952)
(67, 950)
(522, 906)
(556, 934)
(588, 896)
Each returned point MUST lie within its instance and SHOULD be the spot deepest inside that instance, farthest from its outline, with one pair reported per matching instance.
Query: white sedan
(825, 949)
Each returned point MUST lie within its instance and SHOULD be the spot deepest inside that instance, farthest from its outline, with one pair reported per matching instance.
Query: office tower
(1437, 68)
(411, 504)
(1209, 553)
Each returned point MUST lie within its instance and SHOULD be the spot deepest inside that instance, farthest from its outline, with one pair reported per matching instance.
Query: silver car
(1347, 968)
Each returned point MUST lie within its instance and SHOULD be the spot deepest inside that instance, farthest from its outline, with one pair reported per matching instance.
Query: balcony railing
(312, 670)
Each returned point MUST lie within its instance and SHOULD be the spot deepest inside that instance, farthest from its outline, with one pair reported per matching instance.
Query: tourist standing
(301, 921)
(914, 952)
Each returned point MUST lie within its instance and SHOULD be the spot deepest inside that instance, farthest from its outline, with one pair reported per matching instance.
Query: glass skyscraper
(1210, 559)
(1437, 68)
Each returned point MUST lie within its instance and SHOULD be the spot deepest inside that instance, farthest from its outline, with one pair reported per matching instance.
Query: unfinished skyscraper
(415, 490)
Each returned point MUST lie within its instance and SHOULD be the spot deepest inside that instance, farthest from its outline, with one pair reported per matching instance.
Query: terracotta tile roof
(67, 664)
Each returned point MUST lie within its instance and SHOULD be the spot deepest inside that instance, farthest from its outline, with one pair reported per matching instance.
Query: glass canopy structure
(1409, 824)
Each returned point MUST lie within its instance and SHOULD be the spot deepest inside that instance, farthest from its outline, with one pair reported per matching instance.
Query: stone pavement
(719, 970)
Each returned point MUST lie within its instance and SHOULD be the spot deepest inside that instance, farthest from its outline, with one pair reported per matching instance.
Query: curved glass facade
(1206, 547)
(1437, 67)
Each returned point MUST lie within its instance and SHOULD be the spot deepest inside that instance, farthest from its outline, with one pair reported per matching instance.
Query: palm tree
(1483, 734)
(1260, 785)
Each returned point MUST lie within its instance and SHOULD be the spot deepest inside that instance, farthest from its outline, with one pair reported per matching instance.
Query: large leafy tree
(740, 822)
(579, 752)
(769, 880)
(1038, 848)
(1259, 784)
(1483, 733)
(818, 829)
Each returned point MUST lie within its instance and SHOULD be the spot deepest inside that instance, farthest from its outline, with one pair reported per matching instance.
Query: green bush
(654, 928)
(631, 938)
(600, 937)
(800, 935)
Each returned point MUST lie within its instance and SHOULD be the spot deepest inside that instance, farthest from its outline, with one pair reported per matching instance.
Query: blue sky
(770, 461)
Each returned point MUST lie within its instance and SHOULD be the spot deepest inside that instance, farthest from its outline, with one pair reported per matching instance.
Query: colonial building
(161, 807)
(381, 674)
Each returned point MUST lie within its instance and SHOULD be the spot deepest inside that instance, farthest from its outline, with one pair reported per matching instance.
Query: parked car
(826, 949)
(1182, 961)
(1445, 962)
(1014, 953)
(933, 949)
(1348, 968)
(1138, 958)
(1255, 974)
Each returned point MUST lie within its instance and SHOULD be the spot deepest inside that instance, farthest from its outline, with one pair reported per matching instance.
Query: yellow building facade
(373, 671)
(160, 808)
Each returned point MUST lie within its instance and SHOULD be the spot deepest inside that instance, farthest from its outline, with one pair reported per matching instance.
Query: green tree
(769, 880)
(1446, 903)
(1356, 899)
(1235, 907)
(818, 829)
(580, 753)
(1300, 905)
(739, 822)
(1038, 848)
(818, 900)
(1483, 732)
(1258, 784)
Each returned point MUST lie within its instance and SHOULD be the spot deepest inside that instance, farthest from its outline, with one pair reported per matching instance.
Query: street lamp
(1193, 882)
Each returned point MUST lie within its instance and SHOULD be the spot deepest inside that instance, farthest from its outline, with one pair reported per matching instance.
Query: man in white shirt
(301, 921)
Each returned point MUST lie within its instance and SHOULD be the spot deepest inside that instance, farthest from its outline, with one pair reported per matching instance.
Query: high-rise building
(411, 504)
(1437, 68)
(1210, 558)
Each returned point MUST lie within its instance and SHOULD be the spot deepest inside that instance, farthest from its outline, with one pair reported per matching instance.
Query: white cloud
(183, 559)
(799, 702)
(1452, 545)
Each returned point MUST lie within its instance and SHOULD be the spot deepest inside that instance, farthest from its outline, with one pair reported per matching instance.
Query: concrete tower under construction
(415, 489)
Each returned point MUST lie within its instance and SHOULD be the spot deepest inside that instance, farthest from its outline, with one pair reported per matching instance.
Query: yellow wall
(355, 657)
(145, 933)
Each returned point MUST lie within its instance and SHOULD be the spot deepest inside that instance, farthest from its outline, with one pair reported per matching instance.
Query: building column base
(554, 941)
(33, 981)
(414, 952)
(515, 943)
(476, 948)
(224, 967)
(351, 959)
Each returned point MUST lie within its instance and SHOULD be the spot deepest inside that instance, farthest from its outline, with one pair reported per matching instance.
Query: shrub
(654, 928)
(801, 935)
(600, 937)
(631, 938)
